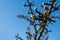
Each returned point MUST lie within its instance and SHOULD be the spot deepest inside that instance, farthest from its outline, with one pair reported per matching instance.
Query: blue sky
(10, 25)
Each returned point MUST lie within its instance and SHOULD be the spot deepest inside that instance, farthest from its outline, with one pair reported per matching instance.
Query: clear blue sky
(10, 25)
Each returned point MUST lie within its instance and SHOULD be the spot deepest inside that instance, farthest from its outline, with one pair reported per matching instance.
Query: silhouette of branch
(43, 18)
(55, 17)
(40, 35)
(17, 37)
